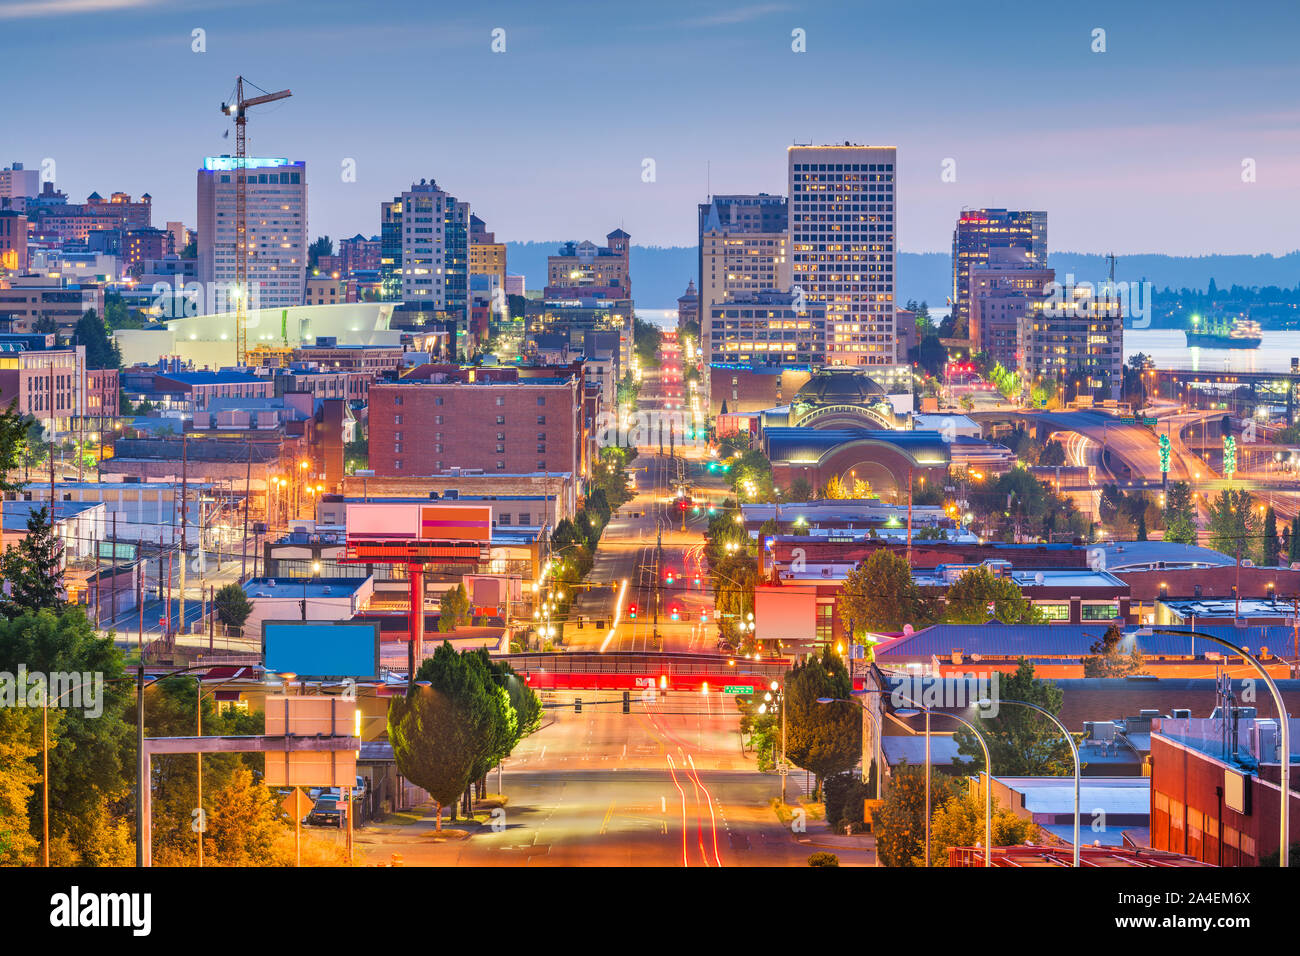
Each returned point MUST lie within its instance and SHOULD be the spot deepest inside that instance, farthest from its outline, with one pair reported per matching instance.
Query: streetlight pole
(1074, 751)
(1284, 719)
(988, 764)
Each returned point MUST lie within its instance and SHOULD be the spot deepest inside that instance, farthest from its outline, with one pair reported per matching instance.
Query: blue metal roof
(995, 639)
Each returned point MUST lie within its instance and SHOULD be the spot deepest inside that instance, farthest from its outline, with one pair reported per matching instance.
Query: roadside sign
(296, 804)
(737, 689)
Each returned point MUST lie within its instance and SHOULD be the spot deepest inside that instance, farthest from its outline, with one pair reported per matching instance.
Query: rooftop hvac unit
(1148, 712)
(1181, 713)
(1263, 738)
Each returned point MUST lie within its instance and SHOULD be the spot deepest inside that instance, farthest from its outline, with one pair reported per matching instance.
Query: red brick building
(482, 419)
(1215, 799)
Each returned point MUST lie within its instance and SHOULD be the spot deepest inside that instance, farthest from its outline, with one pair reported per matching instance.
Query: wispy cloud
(31, 9)
(740, 15)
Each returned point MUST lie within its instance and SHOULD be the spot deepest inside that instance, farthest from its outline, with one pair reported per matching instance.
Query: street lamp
(1284, 719)
(988, 762)
(1074, 751)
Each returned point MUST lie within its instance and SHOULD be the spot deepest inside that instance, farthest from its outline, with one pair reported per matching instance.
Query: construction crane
(239, 110)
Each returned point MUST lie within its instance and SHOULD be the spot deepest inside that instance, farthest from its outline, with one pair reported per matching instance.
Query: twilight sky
(1137, 149)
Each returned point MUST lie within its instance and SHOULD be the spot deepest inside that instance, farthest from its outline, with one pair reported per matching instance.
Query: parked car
(326, 812)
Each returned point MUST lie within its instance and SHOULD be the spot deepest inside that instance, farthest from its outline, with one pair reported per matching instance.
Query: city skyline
(1154, 127)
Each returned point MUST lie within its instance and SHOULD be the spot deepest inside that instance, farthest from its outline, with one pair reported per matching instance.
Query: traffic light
(668, 578)
(631, 611)
(676, 614)
(1164, 454)
(627, 702)
(577, 705)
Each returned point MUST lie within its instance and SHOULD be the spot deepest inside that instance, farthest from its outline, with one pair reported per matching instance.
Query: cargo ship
(1222, 334)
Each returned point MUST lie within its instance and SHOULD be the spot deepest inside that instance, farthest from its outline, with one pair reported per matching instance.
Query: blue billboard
(322, 650)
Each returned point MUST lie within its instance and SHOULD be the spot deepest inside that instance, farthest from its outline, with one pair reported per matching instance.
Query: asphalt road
(665, 785)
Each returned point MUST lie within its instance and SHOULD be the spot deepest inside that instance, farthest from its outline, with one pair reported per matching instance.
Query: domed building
(841, 398)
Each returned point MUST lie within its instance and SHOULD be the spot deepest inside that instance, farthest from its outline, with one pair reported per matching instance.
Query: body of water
(1168, 349)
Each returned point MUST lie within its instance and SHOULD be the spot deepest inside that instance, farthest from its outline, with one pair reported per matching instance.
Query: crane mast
(239, 110)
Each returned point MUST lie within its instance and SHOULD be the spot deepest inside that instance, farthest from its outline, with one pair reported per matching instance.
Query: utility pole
(185, 513)
(248, 493)
(113, 598)
(909, 522)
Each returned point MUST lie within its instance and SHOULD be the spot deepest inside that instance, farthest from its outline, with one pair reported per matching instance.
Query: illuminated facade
(744, 250)
(765, 328)
(1058, 339)
(980, 230)
(842, 246)
(277, 229)
(584, 269)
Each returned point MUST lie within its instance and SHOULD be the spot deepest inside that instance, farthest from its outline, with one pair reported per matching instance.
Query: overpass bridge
(1237, 390)
(640, 671)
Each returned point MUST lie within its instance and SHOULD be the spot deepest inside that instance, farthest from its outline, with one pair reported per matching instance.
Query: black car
(326, 812)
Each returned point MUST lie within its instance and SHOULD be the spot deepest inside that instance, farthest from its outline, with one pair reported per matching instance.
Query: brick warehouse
(487, 420)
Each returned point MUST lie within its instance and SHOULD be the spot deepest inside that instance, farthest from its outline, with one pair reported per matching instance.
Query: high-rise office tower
(744, 250)
(842, 246)
(277, 231)
(978, 231)
(424, 251)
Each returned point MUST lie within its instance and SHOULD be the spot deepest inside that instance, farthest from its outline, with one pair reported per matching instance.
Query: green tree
(233, 606)
(900, 821)
(320, 246)
(101, 351)
(1272, 547)
(880, 595)
(959, 821)
(647, 338)
(821, 858)
(19, 784)
(1021, 742)
(453, 609)
(1142, 526)
(33, 568)
(821, 738)
(970, 595)
(1235, 527)
(1180, 514)
(1109, 658)
(91, 744)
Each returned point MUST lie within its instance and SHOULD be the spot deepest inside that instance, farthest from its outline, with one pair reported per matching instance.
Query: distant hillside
(660, 273)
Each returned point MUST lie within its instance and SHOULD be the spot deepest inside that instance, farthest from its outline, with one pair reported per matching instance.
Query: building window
(1055, 612)
(501, 399)
(397, 399)
(825, 623)
(1099, 612)
(437, 400)
(541, 399)
(541, 419)
(525, 518)
(397, 464)
(501, 419)
(397, 419)
(504, 519)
